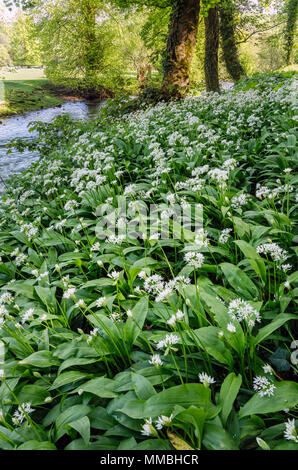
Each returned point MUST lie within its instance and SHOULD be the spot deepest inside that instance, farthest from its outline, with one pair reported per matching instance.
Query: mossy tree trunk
(211, 50)
(92, 54)
(180, 45)
(290, 29)
(228, 40)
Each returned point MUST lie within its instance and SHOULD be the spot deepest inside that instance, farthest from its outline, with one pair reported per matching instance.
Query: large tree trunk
(228, 41)
(181, 42)
(290, 30)
(211, 50)
(91, 53)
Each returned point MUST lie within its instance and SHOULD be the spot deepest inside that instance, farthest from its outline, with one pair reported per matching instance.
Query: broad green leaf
(163, 402)
(41, 359)
(37, 445)
(264, 332)
(134, 324)
(82, 425)
(34, 394)
(209, 338)
(228, 393)
(68, 416)
(254, 258)
(240, 282)
(285, 396)
(67, 378)
(217, 438)
(142, 387)
(101, 387)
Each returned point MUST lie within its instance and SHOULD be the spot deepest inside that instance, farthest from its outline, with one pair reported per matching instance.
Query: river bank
(27, 89)
(21, 96)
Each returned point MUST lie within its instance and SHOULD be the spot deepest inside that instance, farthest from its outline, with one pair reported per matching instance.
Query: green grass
(25, 90)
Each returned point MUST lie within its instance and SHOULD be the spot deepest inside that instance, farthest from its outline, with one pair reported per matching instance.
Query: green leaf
(142, 387)
(82, 425)
(68, 416)
(240, 282)
(68, 377)
(41, 359)
(47, 297)
(254, 258)
(101, 387)
(37, 445)
(228, 393)
(163, 402)
(264, 332)
(217, 438)
(34, 394)
(285, 396)
(194, 416)
(208, 337)
(134, 325)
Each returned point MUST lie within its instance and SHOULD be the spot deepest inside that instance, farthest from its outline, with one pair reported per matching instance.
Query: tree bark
(211, 50)
(181, 42)
(290, 30)
(228, 41)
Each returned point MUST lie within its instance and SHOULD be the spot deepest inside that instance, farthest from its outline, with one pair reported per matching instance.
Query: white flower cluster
(21, 413)
(148, 428)
(241, 310)
(274, 250)
(263, 386)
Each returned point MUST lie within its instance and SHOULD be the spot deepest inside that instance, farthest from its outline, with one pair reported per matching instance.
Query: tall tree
(211, 49)
(180, 45)
(291, 10)
(227, 11)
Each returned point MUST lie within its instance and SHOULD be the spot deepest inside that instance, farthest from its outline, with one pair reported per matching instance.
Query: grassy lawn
(25, 90)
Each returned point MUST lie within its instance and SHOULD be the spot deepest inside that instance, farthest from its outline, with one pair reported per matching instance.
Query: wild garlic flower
(27, 315)
(229, 164)
(290, 432)
(115, 317)
(80, 303)
(148, 429)
(164, 294)
(114, 275)
(206, 379)
(163, 421)
(263, 386)
(168, 342)
(239, 201)
(6, 298)
(274, 250)
(154, 284)
(194, 259)
(175, 317)
(241, 310)
(201, 238)
(225, 235)
(21, 413)
(156, 360)
(101, 302)
(268, 369)
(231, 328)
(69, 293)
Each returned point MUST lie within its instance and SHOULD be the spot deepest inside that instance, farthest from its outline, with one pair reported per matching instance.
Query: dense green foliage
(122, 45)
(193, 332)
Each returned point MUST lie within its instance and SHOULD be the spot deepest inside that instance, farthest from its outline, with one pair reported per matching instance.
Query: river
(17, 126)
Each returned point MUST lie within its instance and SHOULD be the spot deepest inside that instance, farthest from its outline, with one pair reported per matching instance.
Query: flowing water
(17, 126)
